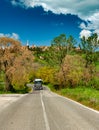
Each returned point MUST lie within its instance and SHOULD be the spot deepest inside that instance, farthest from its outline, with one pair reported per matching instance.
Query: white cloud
(1, 35)
(4, 35)
(82, 25)
(92, 25)
(13, 35)
(85, 33)
(14, 2)
(94, 21)
(84, 9)
(96, 31)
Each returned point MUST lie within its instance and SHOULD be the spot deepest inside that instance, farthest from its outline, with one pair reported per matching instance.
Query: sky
(40, 21)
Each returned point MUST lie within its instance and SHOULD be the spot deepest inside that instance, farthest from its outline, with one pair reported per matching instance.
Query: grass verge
(86, 96)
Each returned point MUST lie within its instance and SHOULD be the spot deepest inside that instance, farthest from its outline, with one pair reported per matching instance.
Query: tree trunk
(8, 86)
(64, 78)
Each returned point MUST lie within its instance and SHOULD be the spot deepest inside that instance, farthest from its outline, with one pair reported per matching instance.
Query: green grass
(50, 86)
(4, 92)
(86, 96)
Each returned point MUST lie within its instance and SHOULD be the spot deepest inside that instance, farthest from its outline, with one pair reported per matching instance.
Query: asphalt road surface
(44, 110)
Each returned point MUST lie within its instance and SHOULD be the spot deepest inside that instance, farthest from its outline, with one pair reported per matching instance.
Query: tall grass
(86, 96)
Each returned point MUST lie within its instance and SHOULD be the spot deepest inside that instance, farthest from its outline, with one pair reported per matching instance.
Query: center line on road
(45, 115)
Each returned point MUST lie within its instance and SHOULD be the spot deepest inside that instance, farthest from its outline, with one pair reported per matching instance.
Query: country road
(44, 110)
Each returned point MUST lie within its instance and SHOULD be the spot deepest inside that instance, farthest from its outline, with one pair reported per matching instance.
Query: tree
(9, 48)
(37, 51)
(19, 73)
(46, 73)
(60, 47)
(17, 63)
(73, 71)
(89, 46)
(71, 44)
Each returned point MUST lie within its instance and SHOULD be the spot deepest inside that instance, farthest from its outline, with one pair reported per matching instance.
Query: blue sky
(39, 21)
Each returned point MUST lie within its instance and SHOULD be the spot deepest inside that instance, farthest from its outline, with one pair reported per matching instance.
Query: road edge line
(77, 103)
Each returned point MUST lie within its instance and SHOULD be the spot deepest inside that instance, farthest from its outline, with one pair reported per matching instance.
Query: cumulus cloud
(84, 9)
(13, 35)
(85, 33)
(97, 31)
(81, 8)
(92, 24)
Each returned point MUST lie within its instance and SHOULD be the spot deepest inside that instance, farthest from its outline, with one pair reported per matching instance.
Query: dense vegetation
(69, 69)
(15, 62)
(70, 66)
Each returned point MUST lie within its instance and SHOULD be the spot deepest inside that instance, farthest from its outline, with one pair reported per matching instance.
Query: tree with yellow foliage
(16, 62)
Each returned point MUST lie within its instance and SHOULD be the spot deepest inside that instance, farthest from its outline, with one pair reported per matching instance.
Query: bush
(71, 71)
(24, 90)
(47, 74)
(94, 83)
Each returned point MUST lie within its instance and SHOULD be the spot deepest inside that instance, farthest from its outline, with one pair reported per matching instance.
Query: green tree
(89, 46)
(60, 47)
(71, 44)
(37, 51)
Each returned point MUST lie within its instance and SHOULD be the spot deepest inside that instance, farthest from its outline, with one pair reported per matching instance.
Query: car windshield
(38, 82)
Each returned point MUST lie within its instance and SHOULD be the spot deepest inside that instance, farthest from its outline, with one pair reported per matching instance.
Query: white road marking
(45, 115)
(77, 103)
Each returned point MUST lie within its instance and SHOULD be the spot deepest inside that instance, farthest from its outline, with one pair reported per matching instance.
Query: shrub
(71, 70)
